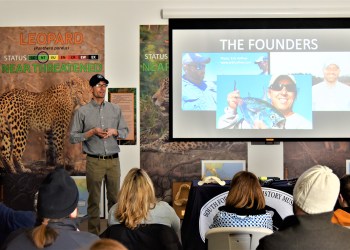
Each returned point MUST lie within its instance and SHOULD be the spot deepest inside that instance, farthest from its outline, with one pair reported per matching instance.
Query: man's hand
(100, 132)
(234, 99)
(110, 132)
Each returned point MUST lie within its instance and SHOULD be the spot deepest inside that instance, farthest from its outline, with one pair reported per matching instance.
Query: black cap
(58, 195)
(96, 79)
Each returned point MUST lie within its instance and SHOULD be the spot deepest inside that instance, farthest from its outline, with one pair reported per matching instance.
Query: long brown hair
(135, 199)
(43, 235)
(245, 191)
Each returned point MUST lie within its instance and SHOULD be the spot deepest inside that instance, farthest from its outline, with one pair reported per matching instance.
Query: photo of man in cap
(282, 93)
(197, 94)
(98, 125)
(263, 63)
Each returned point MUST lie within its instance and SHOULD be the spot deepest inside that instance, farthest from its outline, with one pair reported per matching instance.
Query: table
(204, 201)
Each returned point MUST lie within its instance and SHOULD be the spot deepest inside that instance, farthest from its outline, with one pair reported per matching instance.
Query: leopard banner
(44, 74)
(167, 162)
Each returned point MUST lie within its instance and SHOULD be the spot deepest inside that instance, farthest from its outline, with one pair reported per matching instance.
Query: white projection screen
(259, 79)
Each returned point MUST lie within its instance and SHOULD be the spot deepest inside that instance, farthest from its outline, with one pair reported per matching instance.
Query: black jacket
(145, 237)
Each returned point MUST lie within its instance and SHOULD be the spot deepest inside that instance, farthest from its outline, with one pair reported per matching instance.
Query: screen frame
(248, 23)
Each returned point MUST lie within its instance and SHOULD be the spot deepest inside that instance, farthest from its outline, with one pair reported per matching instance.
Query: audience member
(107, 244)
(137, 204)
(315, 194)
(342, 215)
(57, 199)
(245, 204)
(11, 220)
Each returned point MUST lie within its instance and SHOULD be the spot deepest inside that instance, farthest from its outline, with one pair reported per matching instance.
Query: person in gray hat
(314, 196)
(98, 125)
(56, 207)
(197, 94)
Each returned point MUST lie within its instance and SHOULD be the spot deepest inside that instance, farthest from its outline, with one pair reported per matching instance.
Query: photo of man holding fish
(250, 104)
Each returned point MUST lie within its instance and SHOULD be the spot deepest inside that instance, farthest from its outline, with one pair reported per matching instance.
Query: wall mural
(299, 156)
(44, 76)
(166, 161)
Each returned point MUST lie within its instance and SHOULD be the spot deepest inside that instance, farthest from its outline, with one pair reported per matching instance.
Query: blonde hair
(245, 191)
(43, 235)
(135, 199)
(107, 244)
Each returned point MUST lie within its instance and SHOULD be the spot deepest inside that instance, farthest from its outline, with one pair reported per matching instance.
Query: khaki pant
(96, 170)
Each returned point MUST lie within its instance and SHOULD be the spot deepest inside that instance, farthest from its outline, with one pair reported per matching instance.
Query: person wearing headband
(245, 204)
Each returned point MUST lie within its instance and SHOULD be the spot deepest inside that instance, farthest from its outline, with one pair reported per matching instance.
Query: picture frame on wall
(126, 99)
(224, 169)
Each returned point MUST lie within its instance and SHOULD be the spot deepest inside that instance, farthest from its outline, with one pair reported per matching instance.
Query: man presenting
(98, 125)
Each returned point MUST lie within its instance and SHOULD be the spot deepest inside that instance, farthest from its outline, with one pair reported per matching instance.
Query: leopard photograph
(41, 86)
(48, 112)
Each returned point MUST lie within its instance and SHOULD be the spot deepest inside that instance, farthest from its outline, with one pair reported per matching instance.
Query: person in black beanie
(56, 207)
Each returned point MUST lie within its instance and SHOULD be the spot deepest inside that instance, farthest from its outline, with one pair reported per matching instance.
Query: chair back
(234, 238)
(145, 237)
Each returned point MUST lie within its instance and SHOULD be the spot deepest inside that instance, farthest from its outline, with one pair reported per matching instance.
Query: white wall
(122, 19)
